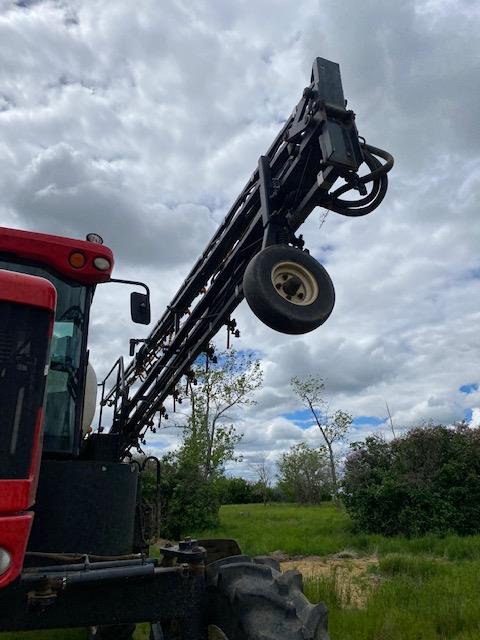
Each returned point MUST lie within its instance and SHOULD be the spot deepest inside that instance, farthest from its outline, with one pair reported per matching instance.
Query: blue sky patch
(304, 419)
(469, 388)
(301, 417)
(371, 420)
(467, 415)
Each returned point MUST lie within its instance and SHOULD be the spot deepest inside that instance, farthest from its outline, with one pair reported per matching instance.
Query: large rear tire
(250, 599)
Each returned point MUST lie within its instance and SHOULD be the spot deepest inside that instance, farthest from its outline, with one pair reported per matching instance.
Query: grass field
(376, 588)
(385, 588)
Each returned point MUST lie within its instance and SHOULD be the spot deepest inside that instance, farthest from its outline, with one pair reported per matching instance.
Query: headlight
(102, 263)
(5, 560)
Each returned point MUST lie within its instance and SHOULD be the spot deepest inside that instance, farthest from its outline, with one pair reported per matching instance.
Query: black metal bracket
(187, 550)
(276, 229)
(133, 343)
(323, 101)
(272, 228)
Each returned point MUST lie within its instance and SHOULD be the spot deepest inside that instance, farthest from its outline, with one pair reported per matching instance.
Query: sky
(142, 122)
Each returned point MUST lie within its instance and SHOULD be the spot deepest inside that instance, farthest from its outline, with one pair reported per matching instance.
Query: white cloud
(143, 122)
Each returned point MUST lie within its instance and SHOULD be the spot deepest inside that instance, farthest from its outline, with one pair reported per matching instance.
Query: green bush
(189, 502)
(426, 481)
(235, 490)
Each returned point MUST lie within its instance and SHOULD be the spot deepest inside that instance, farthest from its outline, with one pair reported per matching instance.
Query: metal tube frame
(318, 144)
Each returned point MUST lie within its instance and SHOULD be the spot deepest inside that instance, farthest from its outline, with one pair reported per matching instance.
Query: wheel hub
(294, 283)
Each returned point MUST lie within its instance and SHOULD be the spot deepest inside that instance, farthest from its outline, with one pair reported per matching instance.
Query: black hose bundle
(377, 175)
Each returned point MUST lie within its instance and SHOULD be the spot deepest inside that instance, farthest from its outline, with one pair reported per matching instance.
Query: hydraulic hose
(377, 175)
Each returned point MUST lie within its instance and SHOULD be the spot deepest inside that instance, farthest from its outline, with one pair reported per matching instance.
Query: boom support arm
(318, 145)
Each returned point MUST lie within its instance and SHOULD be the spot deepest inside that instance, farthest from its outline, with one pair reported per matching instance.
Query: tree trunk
(333, 473)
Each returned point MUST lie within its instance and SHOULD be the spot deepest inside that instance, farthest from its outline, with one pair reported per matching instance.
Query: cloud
(143, 125)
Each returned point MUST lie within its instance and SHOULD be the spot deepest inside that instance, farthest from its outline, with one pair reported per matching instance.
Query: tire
(288, 290)
(250, 599)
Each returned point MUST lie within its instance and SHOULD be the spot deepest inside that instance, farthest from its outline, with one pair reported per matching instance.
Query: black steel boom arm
(318, 145)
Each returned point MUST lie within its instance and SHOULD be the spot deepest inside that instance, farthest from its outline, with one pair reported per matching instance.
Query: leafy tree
(209, 435)
(304, 474)
(333, 428)
(192, 497)
(426, 481)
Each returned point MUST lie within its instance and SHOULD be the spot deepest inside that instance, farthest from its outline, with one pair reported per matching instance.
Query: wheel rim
(294, 283)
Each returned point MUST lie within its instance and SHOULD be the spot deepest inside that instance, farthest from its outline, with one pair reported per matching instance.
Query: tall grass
(324, 530)
(426, 588)
(417, 600)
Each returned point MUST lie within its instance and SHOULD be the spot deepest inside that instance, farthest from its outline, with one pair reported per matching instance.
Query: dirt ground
(353, 577)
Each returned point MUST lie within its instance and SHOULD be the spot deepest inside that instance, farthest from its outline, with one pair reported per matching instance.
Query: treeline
(426, 481)
(241, 491)
(190, 501)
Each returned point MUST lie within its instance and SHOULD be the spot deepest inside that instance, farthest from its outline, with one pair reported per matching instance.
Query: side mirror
(140, 308)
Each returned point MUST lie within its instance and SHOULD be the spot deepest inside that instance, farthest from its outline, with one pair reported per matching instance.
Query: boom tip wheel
(288, 290)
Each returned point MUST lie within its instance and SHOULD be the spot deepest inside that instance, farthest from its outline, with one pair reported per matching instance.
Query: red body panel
(27, 289)
(54, 251)
(14, 532)
(17, 495)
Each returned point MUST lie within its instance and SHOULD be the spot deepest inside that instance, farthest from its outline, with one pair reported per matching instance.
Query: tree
(304, 473)
(209, 436)
(209, 440)
(426, 481)
(188, 502)
(333, 428)
(264, 478)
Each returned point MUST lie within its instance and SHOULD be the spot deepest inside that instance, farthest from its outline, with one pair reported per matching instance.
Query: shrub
(425, 481)
(235, 490)
(189, 502)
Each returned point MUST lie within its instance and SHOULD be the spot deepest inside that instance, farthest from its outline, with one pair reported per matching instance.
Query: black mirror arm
(134, 282)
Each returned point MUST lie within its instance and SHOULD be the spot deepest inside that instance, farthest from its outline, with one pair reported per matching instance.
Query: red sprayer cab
(74, 267)
(27, 310)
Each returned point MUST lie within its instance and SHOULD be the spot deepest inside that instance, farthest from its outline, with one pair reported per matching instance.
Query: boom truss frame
(318, 145)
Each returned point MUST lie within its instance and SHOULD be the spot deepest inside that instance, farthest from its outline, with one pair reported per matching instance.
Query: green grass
(324, 530)
(417, 600)
(423, 588)
(427, 588)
